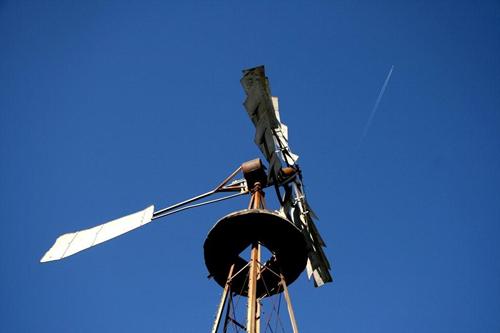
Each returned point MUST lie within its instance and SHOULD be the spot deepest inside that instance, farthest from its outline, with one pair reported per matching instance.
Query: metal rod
(223, 300)
(250, 204)
(270, 270)
(253, 308)
(228, 313)
(231, 176)
(162, 212)
(258, 312)
(256, 203)
(252, 289)
(236, 323)
(241, 270)
(232, 188)
(289, 304)
(157, 216)
(262, 201)
(185, 202)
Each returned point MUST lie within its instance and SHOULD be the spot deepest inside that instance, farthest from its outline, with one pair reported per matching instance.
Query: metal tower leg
(223, 300)
(289, 305)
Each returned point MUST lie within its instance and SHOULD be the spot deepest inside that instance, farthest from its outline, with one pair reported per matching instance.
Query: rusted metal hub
(254, 172)
(235, 232)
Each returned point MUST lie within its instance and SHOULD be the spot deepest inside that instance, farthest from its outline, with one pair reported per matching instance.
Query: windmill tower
(289, 236)
(253, 228)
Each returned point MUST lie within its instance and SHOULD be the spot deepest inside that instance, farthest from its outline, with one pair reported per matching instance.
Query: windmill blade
(271, 136)
(71, 243)
(318, 266)
(281, 138)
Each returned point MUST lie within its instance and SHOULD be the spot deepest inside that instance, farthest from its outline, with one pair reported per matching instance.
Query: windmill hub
(255, 174)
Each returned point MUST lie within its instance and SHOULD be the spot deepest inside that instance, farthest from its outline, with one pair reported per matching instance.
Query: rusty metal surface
(253, 273)
(254, 172)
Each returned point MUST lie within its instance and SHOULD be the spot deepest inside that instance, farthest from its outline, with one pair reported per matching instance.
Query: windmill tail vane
(74, 242)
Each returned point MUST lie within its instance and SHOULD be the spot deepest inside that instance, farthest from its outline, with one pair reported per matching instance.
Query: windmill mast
(253, 313)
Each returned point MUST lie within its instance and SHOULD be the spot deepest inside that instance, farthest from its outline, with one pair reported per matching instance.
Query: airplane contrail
(375, 107)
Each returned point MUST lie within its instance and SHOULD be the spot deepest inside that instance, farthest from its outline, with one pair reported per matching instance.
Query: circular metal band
(235, 232)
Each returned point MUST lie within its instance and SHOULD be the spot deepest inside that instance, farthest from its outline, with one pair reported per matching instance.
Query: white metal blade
(281, 140)
(276, 107)
(69, 244)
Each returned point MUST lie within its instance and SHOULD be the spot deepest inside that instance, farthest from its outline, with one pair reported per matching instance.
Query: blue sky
(107, 107)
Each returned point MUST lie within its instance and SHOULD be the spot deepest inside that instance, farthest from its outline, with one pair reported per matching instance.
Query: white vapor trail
(375, 107)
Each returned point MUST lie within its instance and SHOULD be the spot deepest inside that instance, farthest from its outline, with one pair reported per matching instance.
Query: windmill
(288, 234)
